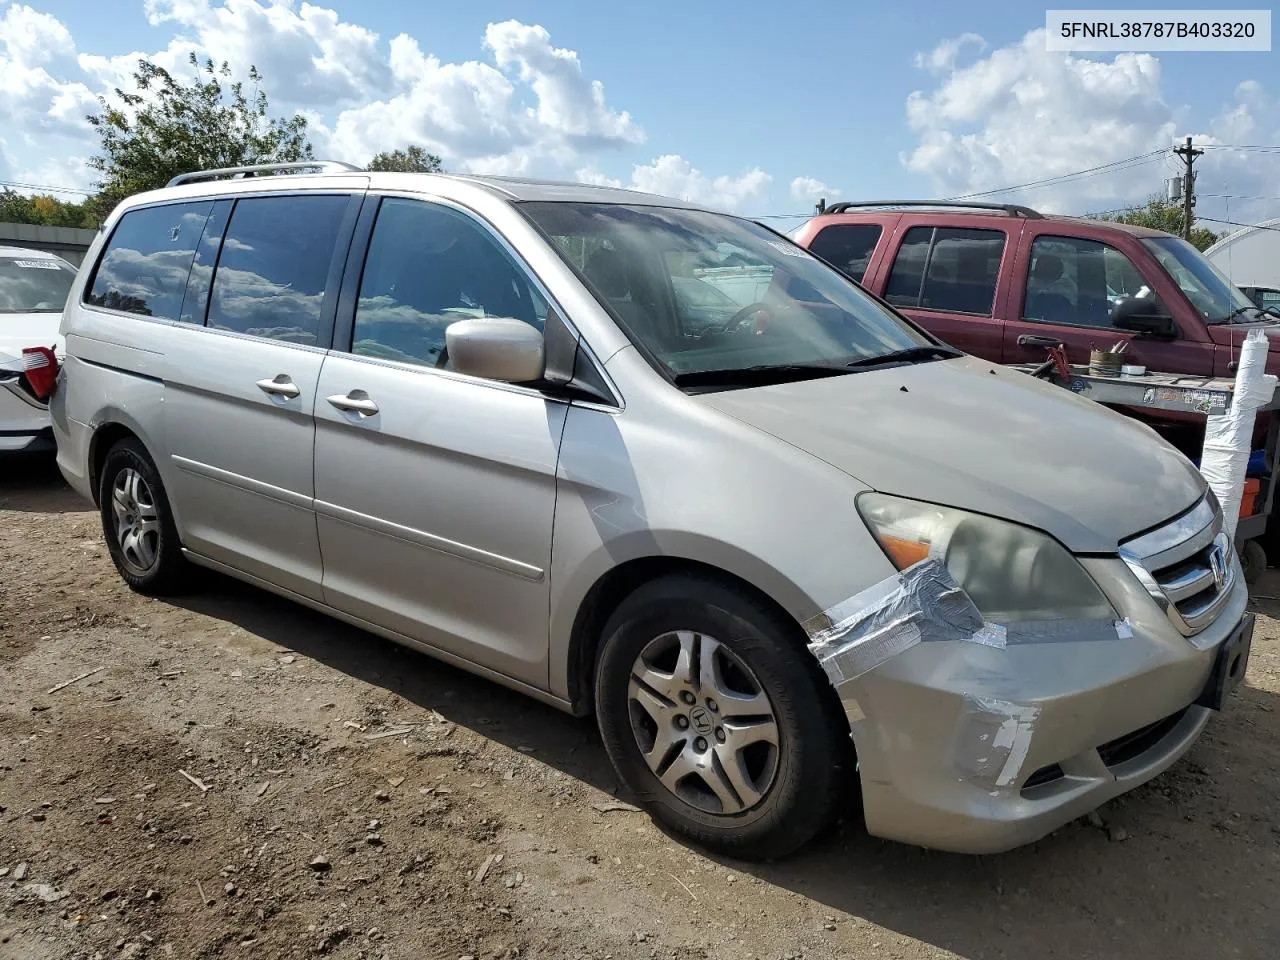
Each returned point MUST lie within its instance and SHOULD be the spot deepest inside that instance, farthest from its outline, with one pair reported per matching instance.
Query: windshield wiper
(758, 376)
(1236, 312)
(909, 355)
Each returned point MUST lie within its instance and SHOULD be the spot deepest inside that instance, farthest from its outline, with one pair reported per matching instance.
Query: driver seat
(608, 273)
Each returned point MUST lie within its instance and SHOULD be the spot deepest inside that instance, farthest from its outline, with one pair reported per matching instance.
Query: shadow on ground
(32, 484)
(1209, 880)
(1190, 868)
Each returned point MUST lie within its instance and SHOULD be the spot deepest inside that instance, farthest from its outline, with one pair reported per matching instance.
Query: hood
(19, 330)
(1234, 333)
(969, 434)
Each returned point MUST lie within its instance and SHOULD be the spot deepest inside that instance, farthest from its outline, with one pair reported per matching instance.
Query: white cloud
(522, 104)
(567, 101)
(1020, 115)
(809, 190)
(943, 57)
(477, 115)
(671, 175)
(311, 57)
(596, 178)
(32, 100)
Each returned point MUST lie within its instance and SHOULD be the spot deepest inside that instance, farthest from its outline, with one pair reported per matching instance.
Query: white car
(33, 290)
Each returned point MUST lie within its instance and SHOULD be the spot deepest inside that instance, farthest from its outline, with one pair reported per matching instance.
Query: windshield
(707, 292)
(35, 285)
(1217, 299)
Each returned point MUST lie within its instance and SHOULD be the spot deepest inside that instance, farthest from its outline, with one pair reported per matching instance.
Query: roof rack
(1012, 209)
(319, 166)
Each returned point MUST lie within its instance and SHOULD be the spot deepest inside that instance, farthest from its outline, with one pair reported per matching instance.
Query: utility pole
(1188, 155)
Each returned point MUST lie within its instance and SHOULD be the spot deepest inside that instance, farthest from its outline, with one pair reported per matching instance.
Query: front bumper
(948, 734)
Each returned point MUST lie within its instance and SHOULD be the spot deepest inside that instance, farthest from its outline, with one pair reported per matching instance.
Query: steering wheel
(759, 311)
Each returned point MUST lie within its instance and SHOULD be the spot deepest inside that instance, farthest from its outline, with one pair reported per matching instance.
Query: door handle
(357, 401)
(1033, 340)
(281, 385)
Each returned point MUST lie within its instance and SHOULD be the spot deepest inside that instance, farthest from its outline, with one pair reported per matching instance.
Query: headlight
(1012, 573)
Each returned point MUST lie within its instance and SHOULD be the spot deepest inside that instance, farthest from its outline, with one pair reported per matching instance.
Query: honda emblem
(1219, 565)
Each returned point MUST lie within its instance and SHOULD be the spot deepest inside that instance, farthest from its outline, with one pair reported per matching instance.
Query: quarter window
(427, 267)
(275, 263)
(952, 269)
(147, 261)
(848, 246)
(1077, 281)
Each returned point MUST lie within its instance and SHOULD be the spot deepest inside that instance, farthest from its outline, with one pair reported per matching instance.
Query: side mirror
(496, 348)
(1142, 315)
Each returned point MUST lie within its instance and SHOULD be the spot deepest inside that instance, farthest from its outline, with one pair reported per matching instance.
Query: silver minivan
(642, 460)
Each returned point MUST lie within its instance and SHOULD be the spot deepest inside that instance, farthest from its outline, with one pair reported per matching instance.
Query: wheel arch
(105, 436)
(612, 586)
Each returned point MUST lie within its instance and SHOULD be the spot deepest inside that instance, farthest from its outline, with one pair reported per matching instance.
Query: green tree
(409, 160)
(44, 210)
(1161, 214)
(169, 127)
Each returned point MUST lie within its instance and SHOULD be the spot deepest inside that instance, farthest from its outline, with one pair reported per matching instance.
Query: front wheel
(717, 720)
(137, 522)
(1253, 560)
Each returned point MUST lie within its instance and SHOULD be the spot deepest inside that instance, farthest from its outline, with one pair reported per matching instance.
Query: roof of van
(518, 188)
(513, 189)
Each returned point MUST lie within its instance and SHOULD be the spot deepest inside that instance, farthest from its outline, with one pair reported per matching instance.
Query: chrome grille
(1186, 566)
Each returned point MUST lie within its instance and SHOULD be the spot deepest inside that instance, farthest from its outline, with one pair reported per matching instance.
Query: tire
(726, 786)
(1253, 558)
(132, 500)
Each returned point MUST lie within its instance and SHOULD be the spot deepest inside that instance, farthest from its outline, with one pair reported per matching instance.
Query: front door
(435, 492)
(1067, 286)
(242, 384)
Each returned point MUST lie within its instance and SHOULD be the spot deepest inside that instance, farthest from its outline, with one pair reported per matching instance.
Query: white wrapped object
(1228, 438)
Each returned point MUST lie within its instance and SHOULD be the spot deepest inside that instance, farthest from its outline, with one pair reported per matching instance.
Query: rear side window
(145, 266)
(848, 246)
(947, 268)
(275, 263)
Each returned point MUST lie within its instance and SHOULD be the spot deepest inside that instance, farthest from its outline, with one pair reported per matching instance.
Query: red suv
(1003, 282)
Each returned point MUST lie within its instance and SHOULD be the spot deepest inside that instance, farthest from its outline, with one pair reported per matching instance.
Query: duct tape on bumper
(889, 618)
(992, 741)
(921, 603)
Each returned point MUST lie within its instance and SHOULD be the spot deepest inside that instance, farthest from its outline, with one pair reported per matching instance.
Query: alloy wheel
(703, 722)
(137, 523)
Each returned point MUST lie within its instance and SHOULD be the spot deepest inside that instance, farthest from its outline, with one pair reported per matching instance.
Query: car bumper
(977, 749)
(24, 421)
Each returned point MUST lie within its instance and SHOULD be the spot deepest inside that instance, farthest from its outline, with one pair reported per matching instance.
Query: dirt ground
(240, 777)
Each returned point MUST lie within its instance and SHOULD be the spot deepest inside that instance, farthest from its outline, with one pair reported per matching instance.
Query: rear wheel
(717, 720)
(137, 522)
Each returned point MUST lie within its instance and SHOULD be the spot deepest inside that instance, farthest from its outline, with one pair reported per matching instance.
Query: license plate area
(1229, 665)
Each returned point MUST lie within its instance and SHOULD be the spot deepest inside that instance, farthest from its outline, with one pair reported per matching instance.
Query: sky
(759, 108)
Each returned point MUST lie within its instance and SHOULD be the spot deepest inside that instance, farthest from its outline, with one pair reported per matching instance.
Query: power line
(1237, 223)
(1262, 148)
(47, 188)
(1113, 166)
(1235, 196)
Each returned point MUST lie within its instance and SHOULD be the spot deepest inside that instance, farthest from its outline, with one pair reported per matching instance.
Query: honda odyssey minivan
(645, 461)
